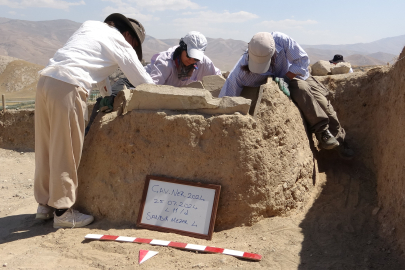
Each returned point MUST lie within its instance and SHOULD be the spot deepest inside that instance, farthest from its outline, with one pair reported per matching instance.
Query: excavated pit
(261, 160)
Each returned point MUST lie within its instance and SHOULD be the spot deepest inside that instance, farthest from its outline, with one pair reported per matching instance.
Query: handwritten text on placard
(176, 206)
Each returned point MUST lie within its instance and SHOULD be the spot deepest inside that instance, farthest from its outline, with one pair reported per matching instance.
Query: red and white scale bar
(240, 254)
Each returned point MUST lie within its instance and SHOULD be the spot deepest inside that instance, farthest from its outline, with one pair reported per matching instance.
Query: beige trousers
(311, 98)
(59, 133)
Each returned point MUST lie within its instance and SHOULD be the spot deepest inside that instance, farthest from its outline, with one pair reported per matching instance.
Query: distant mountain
(363, 60)
(36, 42)
(391, 45)
(384, 57)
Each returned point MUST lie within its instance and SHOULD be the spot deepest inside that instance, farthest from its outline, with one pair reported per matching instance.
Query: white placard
(180, 207)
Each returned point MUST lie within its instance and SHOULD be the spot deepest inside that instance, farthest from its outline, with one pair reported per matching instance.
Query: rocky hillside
(18, 78)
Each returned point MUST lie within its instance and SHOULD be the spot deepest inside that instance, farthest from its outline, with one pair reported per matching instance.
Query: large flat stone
(214, 84)
(163, 97)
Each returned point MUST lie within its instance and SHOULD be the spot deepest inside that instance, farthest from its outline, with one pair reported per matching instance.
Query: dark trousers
(311, 98)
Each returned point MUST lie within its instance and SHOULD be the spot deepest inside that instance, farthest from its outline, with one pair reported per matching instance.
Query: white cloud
(286, 24)
(12, 12)
(211, 17)
(56, 4)
(127, 10)
(156, 5)
(159, 5)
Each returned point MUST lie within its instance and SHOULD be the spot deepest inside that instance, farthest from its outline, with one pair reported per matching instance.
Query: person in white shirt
(92, 53)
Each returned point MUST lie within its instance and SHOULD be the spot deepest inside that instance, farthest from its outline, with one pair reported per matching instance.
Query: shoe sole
(43, 216)
(76, 226)
(330, 146)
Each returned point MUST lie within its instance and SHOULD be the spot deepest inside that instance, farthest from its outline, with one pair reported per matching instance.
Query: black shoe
(326, 140)
(344, 151)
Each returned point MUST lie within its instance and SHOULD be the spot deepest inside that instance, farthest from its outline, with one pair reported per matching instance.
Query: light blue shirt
(289, 57)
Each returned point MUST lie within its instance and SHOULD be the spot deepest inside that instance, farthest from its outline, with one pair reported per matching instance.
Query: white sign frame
(183, 207)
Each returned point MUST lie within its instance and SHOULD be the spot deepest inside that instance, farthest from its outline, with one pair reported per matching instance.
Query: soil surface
(339, 231)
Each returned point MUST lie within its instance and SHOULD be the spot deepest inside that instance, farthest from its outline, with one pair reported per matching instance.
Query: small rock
(375, 211)
(263, 238)
(5, 265)
(285, 185)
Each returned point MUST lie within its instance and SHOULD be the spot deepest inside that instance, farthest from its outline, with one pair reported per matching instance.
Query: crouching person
(276, 54)
(90, 55)
(182, 64)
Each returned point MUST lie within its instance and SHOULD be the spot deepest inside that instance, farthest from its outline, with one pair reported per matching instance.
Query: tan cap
(261, 49)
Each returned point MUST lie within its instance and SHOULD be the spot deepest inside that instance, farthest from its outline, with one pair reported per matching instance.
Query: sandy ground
(339, 231)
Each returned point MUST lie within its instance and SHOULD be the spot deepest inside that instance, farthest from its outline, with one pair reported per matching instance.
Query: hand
(106, 104)
(290, 75)
(283, 85)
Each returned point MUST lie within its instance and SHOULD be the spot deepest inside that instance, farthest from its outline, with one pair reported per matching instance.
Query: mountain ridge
(37, 41)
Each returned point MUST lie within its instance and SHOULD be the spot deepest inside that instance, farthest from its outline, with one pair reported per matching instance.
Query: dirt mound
(265, 166)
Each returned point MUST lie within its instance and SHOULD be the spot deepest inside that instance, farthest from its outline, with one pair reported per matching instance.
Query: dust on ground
(339, 231)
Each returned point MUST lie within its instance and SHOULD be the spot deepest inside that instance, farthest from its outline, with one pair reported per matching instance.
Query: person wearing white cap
(92, 53)
(276, 54)
(182, 64)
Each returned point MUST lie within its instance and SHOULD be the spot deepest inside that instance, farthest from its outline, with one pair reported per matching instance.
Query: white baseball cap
(196, 44)
(261, 49)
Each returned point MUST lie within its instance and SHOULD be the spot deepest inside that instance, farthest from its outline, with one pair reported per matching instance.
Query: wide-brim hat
(261, 49)
(136, 26)
(337, 59)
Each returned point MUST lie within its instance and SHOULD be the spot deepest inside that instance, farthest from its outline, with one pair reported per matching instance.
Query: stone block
(164, 97)
(340, 68)
(197, 84)
(214, 84)
(321, 68)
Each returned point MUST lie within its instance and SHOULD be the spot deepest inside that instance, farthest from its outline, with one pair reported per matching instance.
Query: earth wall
(264, 165)
(371, 107)
(17, 130)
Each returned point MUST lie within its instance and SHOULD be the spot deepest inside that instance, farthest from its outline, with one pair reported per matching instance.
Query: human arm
(233, 85)
(125, 56)
(160, 71)
(209, 68)
(296, 56)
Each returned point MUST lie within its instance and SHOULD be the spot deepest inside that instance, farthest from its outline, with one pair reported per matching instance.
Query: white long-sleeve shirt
(163, 69)
(91, 54)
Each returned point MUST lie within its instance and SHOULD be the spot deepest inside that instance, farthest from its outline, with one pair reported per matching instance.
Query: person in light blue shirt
(276, 54)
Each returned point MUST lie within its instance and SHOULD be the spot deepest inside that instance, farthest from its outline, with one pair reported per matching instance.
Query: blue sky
(308, 22)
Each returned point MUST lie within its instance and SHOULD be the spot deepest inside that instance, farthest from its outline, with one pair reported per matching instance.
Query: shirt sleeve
(210, 68)
(160, 71)
(233, 85)
(297, 57)
(126, 58)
